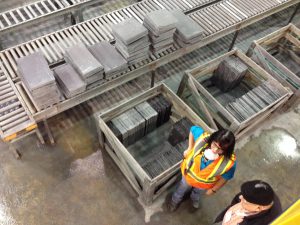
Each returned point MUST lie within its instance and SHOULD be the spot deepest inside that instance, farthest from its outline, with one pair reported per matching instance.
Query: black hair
(225, 139)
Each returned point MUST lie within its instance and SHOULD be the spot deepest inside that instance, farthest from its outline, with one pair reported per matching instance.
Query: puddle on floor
(78, 142)
(278, 144)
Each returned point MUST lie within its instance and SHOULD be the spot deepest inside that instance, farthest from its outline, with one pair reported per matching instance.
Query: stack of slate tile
(135, 123)
(163, 107)
(253, 101)
(161, 26)
(110, 58)
(38, 80)
(131, 125)
(167, 157)
(115, 130)
(229, 73)
(132, 40)
(149, 114)
(187, 30)
(84, 63)
(182, 146)
(180, 131)
(69, 80)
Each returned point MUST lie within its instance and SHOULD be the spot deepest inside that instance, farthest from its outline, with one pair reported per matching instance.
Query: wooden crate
(211, 107)
(147, 188)
(261, 51)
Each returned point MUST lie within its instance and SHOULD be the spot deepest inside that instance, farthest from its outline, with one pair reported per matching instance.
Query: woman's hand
(186, 152)
(210, 192)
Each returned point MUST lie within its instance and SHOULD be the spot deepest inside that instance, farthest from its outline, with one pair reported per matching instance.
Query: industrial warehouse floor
(74, 182)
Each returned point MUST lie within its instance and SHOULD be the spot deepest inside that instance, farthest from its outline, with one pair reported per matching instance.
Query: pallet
(261, 51)
(213, 110)
(147, 188)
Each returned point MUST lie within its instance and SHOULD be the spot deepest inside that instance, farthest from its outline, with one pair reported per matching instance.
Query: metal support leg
(15, 151)
(49, 133)
(152, 78)
(1, 46)
(80, 15)
(233, 40)
(40, 136)
(294, 13)
(73, 20)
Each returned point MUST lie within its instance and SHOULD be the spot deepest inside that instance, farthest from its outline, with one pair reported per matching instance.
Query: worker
(256, 204)
(209, 162)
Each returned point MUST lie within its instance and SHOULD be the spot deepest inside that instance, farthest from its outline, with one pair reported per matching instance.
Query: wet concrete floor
(74, 182)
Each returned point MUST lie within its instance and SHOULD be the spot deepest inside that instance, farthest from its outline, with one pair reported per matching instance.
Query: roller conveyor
(36, 11)
(89, 32)
(217, 20)
(40, 10)
(14, 117)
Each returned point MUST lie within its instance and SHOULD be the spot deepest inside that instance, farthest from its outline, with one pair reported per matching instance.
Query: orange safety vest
(207, 177)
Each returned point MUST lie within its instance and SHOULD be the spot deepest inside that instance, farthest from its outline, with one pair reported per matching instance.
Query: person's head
(222, 142)
(256, 196)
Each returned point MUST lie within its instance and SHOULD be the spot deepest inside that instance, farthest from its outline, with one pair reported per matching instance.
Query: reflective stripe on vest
(200, 145)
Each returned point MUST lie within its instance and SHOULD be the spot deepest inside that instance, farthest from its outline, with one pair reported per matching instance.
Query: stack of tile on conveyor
(167, 157)
(110, 59)
(187, 30)
(131, 125)
(149, 114)
(69, 80)
(161, 26)
(38, 80)
(253, 101)
(229, 73)
(84, 63)
(180, 131)
(132, 40)
(163, 107)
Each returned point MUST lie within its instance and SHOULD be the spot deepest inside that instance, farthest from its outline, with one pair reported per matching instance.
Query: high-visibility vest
(207, 177)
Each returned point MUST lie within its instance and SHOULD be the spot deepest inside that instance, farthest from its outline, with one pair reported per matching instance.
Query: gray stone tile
(142, 43)
(160, 21)
(229, 73)
(129, 30)
(83, 61)
(69, 80)
(186, 28)
(109, 57)
(34, 71)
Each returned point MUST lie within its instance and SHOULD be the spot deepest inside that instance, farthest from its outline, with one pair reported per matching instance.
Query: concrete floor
(74, 182)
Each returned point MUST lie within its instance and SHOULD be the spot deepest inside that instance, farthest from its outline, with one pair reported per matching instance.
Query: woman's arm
(191, 145)
(220, 183)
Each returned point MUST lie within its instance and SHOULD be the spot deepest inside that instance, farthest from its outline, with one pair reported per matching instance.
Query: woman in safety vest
(209, 162)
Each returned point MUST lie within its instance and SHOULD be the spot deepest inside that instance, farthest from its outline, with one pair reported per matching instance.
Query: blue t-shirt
(196, 132)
